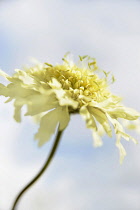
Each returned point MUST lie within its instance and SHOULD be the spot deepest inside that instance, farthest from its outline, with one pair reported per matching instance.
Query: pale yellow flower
(55, 92)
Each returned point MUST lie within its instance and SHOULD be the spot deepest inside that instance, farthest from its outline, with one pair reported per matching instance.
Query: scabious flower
(56, 92)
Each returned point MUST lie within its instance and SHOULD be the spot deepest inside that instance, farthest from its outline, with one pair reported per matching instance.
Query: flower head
(55, 92)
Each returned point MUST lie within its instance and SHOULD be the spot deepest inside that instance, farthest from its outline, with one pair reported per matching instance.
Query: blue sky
(80, 176)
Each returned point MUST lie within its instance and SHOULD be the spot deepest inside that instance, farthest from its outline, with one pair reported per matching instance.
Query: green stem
(52, 152)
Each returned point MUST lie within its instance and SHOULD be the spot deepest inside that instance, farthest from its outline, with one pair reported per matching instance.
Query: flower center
(79, 82)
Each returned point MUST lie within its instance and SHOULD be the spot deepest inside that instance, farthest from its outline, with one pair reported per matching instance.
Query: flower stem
(52, 152)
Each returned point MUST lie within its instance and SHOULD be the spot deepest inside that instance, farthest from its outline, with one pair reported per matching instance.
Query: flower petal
(123, 112)
(97, 139)
(40, 103)
(49, 122)
(121, 148)
(3, 90)
(17, 112)
(91, 124)
(120, 133)
(100, 116)
(63, 97)
(3, 74)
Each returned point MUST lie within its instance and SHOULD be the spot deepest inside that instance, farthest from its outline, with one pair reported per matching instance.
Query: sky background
(80, 177)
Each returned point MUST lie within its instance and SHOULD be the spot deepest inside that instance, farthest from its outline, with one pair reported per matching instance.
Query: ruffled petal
(121, 148)
(91, 124)
(3, 74)
(49, 123)
(120, 133)
(97, 139)
(63, 97)
(36, 102)
(123, 112)
(100, 116)
(3, 90)
(64, 117)
(40, 103)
